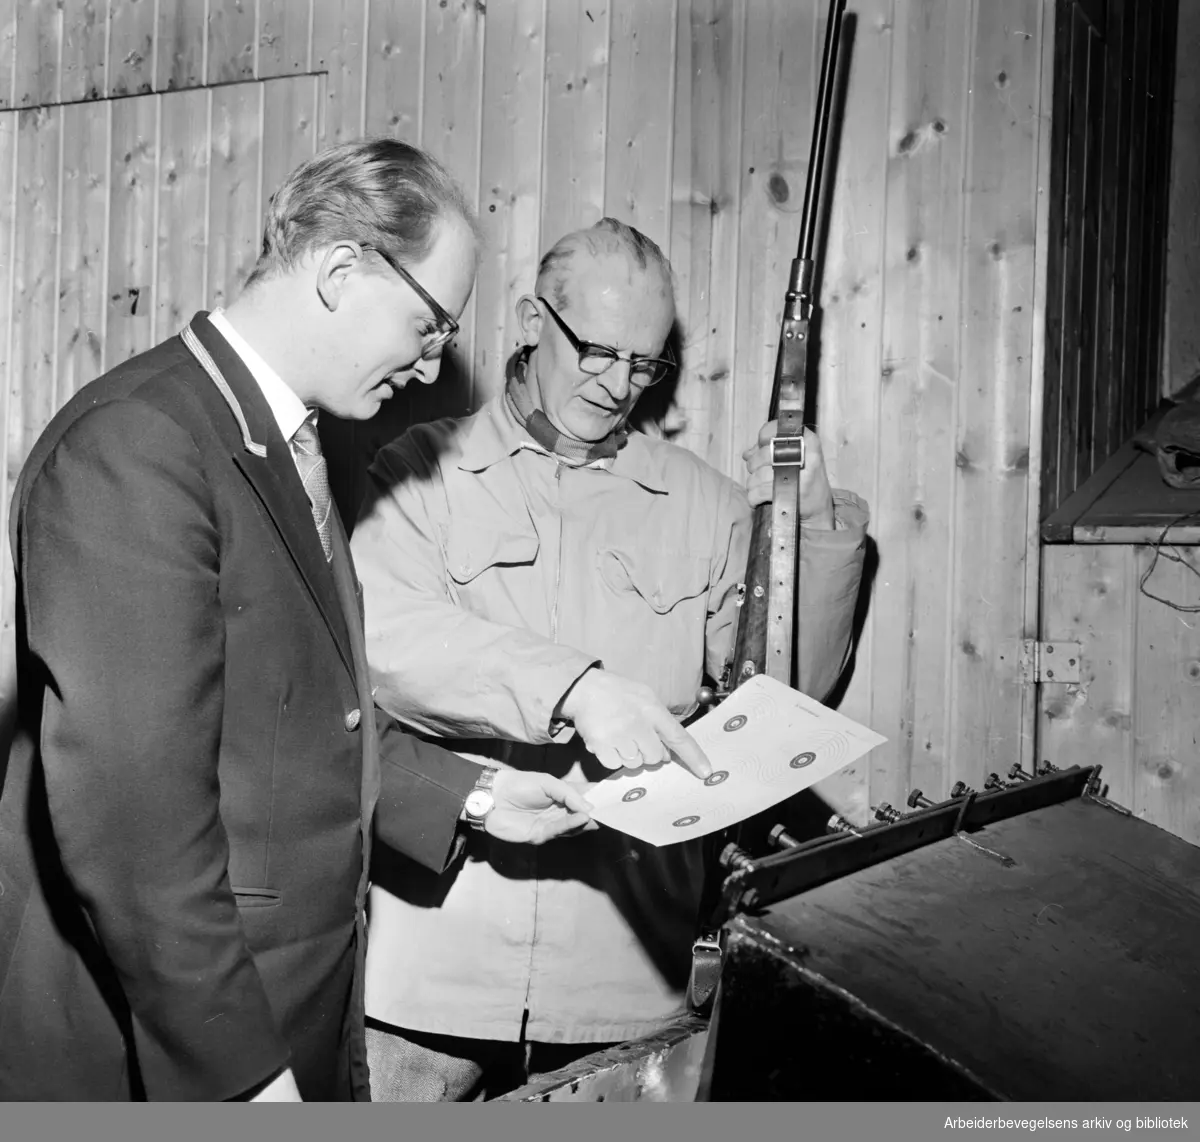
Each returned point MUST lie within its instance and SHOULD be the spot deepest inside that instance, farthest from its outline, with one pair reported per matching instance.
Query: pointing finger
(686, 749)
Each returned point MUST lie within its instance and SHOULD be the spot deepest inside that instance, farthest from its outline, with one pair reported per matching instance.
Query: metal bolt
(884, 812)
(1048, 768)
(918, 800)
(961, 789)
(993, 782)
(838, 824)
(735, 858)
(1018, 774)
(782, 839)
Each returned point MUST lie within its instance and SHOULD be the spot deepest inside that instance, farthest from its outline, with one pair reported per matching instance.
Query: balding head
(607, 240)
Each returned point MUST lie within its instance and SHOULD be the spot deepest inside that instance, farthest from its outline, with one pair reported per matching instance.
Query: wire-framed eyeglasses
(597, 359)
(445, 327)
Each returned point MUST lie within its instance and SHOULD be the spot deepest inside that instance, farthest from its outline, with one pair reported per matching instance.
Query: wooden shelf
(1126, 501)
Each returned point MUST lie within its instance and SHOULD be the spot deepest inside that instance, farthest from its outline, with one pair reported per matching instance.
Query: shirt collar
(288, 409)
(494, 435)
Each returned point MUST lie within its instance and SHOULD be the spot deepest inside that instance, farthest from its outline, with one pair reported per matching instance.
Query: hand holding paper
(765, 742)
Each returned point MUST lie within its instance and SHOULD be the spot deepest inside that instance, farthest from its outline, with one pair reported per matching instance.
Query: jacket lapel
(266, 461)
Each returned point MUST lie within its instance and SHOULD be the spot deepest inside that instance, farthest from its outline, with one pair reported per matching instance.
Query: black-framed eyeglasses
(445, 325)
(596, 359)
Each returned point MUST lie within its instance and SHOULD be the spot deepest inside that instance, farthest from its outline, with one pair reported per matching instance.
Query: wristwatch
(480, 801)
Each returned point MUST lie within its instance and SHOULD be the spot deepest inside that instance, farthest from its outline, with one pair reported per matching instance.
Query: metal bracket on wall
(1049, 661)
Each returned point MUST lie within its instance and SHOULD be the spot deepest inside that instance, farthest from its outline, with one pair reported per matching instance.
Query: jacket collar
(493, 435)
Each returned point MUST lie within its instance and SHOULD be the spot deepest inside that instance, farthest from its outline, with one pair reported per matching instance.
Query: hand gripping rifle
(765, 634)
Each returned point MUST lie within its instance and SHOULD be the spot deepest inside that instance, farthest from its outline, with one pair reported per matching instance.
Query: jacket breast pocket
(662, 578)
(471, 552)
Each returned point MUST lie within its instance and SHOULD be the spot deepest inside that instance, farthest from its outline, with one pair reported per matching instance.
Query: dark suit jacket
(186, 814)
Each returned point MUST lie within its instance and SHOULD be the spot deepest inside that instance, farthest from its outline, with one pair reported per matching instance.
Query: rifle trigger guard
(787, 451)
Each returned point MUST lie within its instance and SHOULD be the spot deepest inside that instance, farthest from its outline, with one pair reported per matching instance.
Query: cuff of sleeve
(564, 678)
(851, 515)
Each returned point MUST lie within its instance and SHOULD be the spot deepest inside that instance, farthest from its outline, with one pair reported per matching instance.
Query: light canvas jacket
(494, 575)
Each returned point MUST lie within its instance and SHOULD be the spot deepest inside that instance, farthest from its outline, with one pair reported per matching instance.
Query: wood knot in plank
(778, 189)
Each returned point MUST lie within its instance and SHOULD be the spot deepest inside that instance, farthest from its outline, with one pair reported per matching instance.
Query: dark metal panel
(1069, 974)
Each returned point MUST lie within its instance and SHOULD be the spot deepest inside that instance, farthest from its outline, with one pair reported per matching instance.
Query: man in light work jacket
(187, 808)
(536, 575)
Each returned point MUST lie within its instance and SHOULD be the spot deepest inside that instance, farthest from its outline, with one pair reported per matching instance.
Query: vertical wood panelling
(920, 375)
(84, 237)
(1160, 176)
(395, 62)
(85, 31)
(179, 48)
(35, 284)
(577, 45)
(1112, 234)
(181, 247)
(1182, 349)
(134, 183)
(234, 220)
(231, 33)
(10, 460)
(1110, 174)
(1077, 38)
(283, 37)
(992, 466)
(1089, 596)
(637, 168)
(777, 113)
(337, 48)
(39, 52)
(289, 130)
(1088, 378)
(706, 197)
(451, 129)
(1167, 660)
(1134, 275)
(131, 34)
(8, 51)
(510, 162)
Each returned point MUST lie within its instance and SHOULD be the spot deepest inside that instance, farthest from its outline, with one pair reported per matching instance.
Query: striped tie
(306, 451)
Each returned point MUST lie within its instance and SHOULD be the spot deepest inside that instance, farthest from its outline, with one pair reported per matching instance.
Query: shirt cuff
(562, 731)
(851, 516)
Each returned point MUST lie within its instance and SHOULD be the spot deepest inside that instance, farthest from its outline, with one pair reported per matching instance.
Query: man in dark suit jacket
(187, 806)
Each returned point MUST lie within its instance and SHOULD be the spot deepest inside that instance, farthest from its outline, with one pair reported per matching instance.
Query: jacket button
(352, 719)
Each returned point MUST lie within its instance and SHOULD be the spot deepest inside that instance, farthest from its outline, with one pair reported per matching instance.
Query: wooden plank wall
(1134, 708)
(1109, 199)
(1181, 357)
(689, 118)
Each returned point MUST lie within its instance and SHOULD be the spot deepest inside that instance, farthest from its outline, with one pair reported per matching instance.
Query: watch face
(479, 803)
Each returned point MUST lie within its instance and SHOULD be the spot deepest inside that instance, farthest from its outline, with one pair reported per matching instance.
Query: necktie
(314, 475)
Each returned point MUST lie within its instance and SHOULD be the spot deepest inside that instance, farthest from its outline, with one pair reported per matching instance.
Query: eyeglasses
(445, 325)
(597, 359)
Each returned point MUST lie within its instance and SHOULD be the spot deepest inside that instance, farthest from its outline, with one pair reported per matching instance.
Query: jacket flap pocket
(256, 897)
(662, 577)
(471, 552)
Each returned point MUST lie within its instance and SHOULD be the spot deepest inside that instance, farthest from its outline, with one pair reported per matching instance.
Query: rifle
(765, 626)
(765, 637)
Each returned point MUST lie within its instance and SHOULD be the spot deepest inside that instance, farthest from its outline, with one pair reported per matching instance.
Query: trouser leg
(415, 1066)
